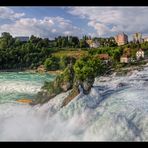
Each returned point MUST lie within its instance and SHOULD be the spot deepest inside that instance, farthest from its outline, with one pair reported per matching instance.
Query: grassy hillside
(76, 54)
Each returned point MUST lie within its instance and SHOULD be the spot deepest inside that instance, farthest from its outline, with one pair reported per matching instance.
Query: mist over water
(115, 110)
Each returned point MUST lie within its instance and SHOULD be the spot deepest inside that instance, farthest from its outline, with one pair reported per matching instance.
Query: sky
(50, 22)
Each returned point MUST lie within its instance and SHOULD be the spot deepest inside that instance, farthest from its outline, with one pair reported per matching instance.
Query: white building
(125, 59)
(137, 37)
(146, 39)
(139, 54)
(93, 44)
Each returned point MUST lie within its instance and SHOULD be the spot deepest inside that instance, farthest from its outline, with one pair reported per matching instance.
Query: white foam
(108, 113)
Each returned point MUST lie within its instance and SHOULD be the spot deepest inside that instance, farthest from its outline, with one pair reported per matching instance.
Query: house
(121, 39)
(89, 41)
(139, 54)
(104, 57)
(125, 59)
(137, 37)
(146, 39)
(93, 44)
(22, 38)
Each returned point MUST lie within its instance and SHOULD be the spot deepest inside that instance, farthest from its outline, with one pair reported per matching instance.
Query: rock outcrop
(64, 82)
(87, 85)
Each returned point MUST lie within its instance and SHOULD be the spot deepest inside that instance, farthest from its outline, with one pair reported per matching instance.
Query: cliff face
(81, 75)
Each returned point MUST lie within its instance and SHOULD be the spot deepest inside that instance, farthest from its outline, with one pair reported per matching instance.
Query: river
(115, 110)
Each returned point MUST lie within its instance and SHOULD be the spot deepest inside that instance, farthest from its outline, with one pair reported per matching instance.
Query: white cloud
(110, 20)
(48, 27)
(8, 13)
(100, 28)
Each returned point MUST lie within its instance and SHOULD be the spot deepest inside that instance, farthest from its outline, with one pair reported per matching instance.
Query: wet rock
(87, 85)
(66, 86)
(74, 92)
(121, 84)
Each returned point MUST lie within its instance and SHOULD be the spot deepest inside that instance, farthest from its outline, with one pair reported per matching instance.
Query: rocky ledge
(63, 82)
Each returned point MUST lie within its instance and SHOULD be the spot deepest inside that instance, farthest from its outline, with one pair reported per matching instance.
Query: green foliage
(114, 52)
(55, 87)
(67, 41)
(67, 74)
(16, 54)
(51, 63)
(88, 67)
(144, 45)
(63, 62)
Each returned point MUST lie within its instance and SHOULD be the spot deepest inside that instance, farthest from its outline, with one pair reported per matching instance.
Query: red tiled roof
(103, 56)
(140, 49)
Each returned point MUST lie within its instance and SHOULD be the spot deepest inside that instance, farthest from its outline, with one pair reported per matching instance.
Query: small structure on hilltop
(104, 57)
(125, 58)
(146, 39)
(140, 54)
(93, 44)
(22, 38)
(137, 37)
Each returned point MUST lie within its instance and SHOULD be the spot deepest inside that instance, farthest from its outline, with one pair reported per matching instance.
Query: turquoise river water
(17, 85)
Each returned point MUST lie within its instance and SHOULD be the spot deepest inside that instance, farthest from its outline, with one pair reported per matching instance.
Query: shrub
(52, 63)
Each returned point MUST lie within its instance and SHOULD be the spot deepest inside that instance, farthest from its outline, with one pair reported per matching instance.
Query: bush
(63, 62)
(52, 63)
(88, 66)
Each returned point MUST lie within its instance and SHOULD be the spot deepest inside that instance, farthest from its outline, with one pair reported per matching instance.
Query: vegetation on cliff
(82, 73)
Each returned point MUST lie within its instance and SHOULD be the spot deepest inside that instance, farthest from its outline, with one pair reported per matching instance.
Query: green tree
(88, 66)
(63, 62)
(52, 63)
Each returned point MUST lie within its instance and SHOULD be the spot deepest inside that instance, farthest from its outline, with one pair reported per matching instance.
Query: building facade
(104, 57)
(146, 39)
(137, 38)
(93, 44)
(124, 59)
(139, 54)
(22, 38)
(121, 39)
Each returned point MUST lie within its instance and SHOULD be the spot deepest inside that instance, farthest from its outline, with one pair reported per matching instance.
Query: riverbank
(56, 72)
(12, 70)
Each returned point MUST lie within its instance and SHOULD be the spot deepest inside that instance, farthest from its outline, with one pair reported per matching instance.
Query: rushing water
(115, 110)
(17, 85)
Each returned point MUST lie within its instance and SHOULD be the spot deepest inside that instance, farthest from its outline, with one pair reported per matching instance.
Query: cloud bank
(99, 22)
(47, 27)
(8, 13)
(110, 20)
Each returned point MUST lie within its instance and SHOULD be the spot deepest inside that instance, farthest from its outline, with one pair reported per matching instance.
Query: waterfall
(116, 109)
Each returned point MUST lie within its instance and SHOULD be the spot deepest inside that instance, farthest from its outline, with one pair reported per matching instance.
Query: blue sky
(77, 21)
